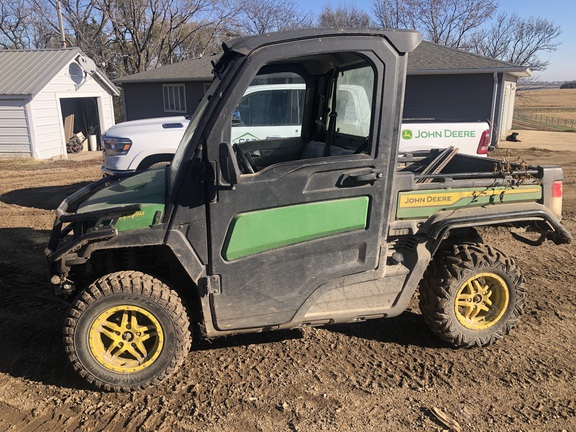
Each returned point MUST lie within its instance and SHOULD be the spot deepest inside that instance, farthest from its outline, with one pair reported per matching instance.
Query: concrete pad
(85, 155)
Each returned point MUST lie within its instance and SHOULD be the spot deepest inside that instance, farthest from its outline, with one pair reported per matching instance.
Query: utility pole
(61, 22)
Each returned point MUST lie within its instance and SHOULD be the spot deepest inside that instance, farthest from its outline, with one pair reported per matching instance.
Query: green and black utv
(332, 226)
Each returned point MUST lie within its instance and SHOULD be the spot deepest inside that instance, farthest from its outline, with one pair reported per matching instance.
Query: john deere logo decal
(407, 134)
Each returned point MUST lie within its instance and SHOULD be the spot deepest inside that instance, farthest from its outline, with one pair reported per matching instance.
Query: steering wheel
(246, 165)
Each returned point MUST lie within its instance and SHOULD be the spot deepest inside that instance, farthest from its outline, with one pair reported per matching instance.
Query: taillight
(484, 142)
(556, 201)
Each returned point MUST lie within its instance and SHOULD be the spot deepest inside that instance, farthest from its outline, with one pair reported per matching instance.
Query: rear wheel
(472, 295)
(127, 331)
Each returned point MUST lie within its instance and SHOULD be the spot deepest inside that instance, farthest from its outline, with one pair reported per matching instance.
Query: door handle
(365, 178)
(352, 180)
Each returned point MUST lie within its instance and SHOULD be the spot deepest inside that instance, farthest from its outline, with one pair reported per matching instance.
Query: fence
(543, 118)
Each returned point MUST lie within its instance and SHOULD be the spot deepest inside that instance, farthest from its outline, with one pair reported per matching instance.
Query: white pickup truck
(275, 110)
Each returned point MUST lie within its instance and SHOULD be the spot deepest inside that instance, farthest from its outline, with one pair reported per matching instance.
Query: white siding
(508, 106)
(47, 126)
(14, 134)
(47, 116)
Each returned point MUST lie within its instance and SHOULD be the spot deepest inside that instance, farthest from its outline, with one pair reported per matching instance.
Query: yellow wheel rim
(126, 339)
(481, 301)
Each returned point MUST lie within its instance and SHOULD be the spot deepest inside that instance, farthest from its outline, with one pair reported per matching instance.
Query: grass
(18, 163)
(547, 109)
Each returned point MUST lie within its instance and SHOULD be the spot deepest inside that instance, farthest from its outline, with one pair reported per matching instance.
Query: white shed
(41, 91)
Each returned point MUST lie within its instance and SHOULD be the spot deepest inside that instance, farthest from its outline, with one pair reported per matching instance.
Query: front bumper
(108, 172)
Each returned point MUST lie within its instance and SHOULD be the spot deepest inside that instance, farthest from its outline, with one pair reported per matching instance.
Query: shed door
(14, 133)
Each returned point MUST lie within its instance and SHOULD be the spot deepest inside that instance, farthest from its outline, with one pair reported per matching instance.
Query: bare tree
(445, 22)
(21, 28)
(124, 36)
(517, 40)
(393, 13)
(149, 33)
(344, 16)
(264, 16)
(12, 24)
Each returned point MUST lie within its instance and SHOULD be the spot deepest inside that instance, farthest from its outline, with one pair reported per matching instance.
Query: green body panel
(423, 204)
(263, 230)
(140, 219)
(146, 189)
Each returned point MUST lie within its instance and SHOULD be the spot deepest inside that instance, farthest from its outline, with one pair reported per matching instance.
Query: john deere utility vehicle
(329, 226)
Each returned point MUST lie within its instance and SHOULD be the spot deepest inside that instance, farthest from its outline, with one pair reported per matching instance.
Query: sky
(562, 13)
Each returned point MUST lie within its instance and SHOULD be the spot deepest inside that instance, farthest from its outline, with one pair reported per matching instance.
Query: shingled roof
(429, 58)
(426, 59)
(188, 70)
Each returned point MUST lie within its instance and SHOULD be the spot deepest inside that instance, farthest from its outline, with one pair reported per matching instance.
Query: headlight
(114, 146)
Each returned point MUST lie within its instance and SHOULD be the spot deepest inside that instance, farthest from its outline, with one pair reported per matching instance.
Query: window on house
(174, 98)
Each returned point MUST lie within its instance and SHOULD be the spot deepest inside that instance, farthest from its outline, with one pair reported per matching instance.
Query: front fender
(165, 154)
(131, 162)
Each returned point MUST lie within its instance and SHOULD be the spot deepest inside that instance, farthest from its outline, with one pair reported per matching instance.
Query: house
(453, 85)
(174, 89)
(443, 83)
(47, 96)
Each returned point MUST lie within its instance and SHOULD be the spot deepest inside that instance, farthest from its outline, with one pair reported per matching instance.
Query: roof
(188, 70)
(426, 59)
(429, 58)
(402, 40)
(27, 72)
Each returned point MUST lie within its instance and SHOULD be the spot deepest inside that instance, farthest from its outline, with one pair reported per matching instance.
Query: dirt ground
(381, 375)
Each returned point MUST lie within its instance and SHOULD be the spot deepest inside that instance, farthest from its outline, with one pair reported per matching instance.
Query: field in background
(547, 109)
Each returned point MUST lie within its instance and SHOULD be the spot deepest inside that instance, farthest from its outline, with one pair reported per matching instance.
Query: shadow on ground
(46, 198)
(31, 316)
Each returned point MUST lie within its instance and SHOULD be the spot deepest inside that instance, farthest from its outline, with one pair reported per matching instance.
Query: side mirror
(236, 118)
(229, 163)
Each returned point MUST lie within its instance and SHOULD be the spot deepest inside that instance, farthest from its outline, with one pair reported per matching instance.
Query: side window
(270, 106)
(354, 93)
(310, 107)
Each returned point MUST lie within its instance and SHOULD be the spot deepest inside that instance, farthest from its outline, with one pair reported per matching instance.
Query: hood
(146, 188)
(148, 126)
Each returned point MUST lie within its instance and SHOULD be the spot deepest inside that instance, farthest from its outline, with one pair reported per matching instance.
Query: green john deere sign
(407, 134)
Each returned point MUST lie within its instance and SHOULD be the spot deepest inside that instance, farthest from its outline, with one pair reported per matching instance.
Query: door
(315, 208)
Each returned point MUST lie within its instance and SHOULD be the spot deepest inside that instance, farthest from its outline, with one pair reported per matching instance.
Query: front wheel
(472, 295)
(127, 331)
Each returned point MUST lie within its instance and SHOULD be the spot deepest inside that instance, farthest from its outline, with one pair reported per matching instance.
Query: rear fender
(437, 226)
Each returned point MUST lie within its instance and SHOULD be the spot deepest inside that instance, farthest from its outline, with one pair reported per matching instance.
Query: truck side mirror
(236, 118)
(228, 163)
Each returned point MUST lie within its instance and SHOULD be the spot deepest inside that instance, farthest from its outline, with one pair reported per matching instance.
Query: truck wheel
(472, 295)
(127, 331)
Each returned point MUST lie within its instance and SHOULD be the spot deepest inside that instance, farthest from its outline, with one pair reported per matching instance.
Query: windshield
(187, 137)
